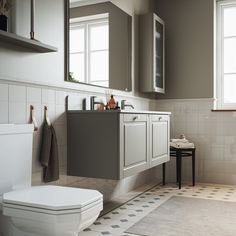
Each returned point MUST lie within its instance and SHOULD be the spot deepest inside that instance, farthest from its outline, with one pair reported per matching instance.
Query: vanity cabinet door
(159, 139)
(134, 143)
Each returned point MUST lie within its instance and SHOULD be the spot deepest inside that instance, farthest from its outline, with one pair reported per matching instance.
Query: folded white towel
(181, 145)
(179, 140)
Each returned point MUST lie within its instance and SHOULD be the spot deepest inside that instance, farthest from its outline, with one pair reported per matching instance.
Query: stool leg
(164, 173)
(179, 168)
(193, 166)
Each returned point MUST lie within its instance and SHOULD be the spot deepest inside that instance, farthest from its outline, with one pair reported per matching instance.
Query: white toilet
(41, 210)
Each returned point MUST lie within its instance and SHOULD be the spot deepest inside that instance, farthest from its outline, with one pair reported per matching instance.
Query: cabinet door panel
(135, 143)
(159, 139)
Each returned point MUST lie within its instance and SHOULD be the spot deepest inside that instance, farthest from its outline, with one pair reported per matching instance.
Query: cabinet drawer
(135, 117)
(160, 118)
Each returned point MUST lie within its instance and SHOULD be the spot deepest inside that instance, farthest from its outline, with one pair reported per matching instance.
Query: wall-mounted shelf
(34, 45)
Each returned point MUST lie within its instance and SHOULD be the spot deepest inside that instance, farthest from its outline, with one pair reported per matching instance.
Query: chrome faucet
(124, 105)
(93, 103)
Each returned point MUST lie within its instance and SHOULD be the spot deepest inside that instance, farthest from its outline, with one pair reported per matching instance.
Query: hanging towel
(49, 154)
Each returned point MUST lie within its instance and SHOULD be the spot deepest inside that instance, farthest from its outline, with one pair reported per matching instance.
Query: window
(89, 50)
(226, 54)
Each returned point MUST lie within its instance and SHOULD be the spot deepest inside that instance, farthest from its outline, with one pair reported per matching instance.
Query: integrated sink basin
(131, 111)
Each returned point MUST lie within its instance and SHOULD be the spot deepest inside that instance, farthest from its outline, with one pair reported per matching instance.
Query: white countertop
(145, 112)
(130, 111)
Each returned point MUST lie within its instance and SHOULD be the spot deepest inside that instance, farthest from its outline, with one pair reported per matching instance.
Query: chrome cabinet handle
(160, 118)
(135, 118)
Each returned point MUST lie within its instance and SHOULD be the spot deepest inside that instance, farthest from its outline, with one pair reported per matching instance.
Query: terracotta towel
(49, 154)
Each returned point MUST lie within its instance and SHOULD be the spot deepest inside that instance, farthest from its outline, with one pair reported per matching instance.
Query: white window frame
(86, 22)
(81, 26)
(220, 6)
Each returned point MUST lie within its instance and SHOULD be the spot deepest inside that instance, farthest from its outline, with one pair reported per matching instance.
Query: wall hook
(67, 103)
(32, 118)
(46, 117)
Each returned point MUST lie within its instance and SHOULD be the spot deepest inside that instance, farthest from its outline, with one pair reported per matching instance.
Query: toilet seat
(52, 210)
(52, 200)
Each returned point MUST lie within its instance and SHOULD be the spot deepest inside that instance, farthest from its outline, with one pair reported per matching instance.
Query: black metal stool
(179, 153)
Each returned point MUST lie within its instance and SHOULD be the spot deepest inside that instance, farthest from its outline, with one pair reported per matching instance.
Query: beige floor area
(118, 220)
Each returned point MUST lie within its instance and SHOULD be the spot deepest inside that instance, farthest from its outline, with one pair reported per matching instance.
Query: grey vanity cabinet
(115, 144)
(93, 144)
(134, 141)
(159, 139)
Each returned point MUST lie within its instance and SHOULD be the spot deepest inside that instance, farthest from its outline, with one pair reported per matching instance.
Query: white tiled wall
(214, 134)
(15, 101)
(4, 103)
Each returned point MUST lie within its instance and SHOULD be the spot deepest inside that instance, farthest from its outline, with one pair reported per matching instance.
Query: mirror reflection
(89, 49)
(99, 50)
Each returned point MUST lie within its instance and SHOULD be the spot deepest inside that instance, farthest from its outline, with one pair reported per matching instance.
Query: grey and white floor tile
(118, 220)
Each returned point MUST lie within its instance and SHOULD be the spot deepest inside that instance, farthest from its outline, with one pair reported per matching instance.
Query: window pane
(229, 21)
(77, 66)
(230, 55)
(99, 66)
(77, 40)
(229, 89)
(99, 36)
(101, 83)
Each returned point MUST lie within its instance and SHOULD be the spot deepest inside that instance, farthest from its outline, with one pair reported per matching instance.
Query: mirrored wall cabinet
(99, 44)
(152, 54)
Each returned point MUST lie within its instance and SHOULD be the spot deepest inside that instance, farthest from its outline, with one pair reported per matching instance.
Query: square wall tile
(3, 92)
(60, 115)
(34, 95)
(48, 96)
(61, 97)
(17, 113)
(17, 93)
(3, 112)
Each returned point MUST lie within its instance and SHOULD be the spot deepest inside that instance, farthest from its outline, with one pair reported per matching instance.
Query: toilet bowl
(41, 210)
(52, 210)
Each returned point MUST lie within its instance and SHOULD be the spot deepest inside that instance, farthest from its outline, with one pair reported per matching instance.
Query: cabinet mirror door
(159, 55)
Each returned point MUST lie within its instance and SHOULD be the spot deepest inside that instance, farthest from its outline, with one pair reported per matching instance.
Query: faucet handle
(123, 101)
(92, 98)
(123, 104)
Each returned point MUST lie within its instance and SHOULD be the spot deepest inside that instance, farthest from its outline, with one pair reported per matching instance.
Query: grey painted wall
(189, 47)
(20, 64)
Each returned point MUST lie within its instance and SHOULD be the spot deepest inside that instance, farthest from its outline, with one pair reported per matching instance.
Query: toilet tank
(15, 156)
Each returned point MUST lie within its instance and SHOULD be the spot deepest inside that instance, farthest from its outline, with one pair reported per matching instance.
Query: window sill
(223, 110)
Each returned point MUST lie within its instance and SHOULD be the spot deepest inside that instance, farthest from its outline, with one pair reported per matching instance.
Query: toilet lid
(52, 197)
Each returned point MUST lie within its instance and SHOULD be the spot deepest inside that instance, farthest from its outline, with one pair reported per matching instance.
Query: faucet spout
(93, 103)
(124, 105)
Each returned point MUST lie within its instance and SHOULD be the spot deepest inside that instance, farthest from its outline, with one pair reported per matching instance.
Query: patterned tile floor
(119, 220)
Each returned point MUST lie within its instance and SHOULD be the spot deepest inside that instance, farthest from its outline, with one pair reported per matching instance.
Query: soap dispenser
(112, 103)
